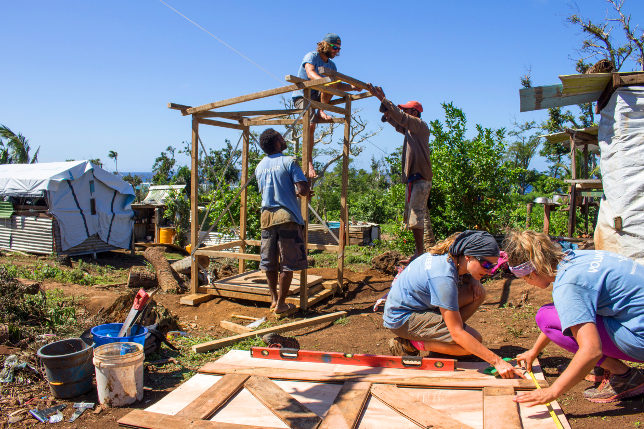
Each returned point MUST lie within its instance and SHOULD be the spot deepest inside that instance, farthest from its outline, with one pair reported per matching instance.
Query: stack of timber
(361, 235)
(252, 286)
(238, 391)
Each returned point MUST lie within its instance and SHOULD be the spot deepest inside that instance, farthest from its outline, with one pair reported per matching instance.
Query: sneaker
(278, 341)
(402, 347)
(617, 387)
(596, 375)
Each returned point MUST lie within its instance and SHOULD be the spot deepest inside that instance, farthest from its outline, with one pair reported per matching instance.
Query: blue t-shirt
(594, 282)
(313, 58)
(277, 175)
(429, 282)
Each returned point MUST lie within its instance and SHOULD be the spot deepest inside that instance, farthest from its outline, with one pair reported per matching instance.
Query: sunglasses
(487, 265)
(335, 47)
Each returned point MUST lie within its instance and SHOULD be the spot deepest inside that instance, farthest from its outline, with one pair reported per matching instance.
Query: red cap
(412, 105)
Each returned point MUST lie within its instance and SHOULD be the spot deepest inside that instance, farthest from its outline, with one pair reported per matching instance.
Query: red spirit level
(415, 362)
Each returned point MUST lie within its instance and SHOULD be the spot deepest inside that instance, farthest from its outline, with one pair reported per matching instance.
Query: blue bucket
(333, 225)
(105, 334)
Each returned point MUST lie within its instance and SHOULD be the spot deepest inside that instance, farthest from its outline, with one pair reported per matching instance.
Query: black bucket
(68, 367)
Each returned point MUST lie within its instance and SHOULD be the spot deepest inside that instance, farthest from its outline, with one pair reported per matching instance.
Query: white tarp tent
(84, 199)
(620, 223)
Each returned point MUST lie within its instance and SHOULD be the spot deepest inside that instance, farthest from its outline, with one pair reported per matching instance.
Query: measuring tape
(550, 410)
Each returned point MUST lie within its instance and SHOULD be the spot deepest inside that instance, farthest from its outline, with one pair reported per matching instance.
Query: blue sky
(81, 78)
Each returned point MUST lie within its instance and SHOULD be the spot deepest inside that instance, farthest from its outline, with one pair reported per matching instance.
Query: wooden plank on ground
(195, 298)
(347, 407)
(208, 403)
(316, 294)
(414, 410)
(256, 95)
(150, 420)
(499, 410)
(333, 376)
(223, 342)
(283, 405)
(235, 327)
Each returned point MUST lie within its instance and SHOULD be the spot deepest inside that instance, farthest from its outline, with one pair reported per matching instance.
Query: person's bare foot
(323, 115)
(311, 173)
(273, 305)
(283, 308)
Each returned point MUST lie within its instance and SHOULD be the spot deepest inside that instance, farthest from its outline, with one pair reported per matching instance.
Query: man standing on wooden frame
(327, 49)
(416, 165)
(283, 249)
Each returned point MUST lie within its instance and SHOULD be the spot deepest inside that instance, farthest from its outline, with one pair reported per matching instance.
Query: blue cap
(331, 38)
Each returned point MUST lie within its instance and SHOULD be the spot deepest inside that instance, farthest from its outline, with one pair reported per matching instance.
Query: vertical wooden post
(528, 214)
(194, 205)
(307, 141)
(572, 207)
(243, 207)
(546, 218)
(344, 221)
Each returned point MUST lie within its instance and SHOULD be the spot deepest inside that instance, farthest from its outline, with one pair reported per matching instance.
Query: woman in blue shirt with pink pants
(598, 314)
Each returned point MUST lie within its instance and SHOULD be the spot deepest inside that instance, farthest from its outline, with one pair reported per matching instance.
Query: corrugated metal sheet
(91, 245)
(27, 233)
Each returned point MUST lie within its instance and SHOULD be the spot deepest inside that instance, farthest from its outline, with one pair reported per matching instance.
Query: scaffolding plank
(209, 402)
(256, 95)
(416, 411)
(283, 405)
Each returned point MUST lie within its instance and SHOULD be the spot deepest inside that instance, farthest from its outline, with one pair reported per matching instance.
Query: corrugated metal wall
(27, 233)
(91, 245)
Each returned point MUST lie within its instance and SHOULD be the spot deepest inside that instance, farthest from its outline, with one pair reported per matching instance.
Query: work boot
(402, 347)
(278, 341)
(617, 387)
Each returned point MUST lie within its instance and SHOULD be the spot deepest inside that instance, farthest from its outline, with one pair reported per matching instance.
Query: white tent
(84, 199)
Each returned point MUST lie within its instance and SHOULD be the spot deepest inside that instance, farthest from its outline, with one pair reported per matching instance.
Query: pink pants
(549, 323)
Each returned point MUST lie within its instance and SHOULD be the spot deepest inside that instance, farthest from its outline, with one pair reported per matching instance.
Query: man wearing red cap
(416, 164)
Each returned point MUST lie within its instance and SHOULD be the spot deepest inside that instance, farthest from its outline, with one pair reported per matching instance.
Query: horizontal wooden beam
(275, 112)
(256, 95)
(221, 124)
(273, 121)
(310, 246)
(231, 255)
(222, 246)
(348, 79)
(330, 108)
(333, 376)
(176, 106)
(223, 342)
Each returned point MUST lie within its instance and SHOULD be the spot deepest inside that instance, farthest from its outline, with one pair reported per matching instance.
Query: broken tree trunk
(140, 277)
(165, 276)
(183, 265)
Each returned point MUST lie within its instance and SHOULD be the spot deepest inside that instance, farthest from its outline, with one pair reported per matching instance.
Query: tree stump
(140, 277)
(165, 276)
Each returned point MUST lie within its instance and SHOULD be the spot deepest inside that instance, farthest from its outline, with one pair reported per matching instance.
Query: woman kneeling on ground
(430, 300)
(598, 314)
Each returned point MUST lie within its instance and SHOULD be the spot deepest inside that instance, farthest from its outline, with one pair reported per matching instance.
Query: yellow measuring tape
(332, 83)
(550, 410)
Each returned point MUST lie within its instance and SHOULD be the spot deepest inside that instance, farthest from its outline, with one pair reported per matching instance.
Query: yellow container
(188, 248)
(166, 235)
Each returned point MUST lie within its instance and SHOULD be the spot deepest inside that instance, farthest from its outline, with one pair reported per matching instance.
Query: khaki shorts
(416, 203)
(282, 248)
(427, 326)
(298, 102)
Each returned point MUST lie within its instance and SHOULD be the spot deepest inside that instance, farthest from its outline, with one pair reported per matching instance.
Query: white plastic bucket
(119, 373)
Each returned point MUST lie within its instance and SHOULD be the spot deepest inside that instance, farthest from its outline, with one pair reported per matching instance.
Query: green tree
(136, 181)
(115, 156)
(97, 162)
(520, 151)
(471, 182)
(163, 167)
(16, 148)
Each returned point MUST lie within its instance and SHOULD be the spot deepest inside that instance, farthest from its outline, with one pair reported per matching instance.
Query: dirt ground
(506, 321)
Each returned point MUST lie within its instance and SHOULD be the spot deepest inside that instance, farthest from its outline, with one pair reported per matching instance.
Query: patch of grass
(77, 275)
(515, 332)
(58, 309)
(341, 321)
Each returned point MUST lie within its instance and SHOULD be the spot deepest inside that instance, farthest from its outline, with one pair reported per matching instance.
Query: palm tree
(16, 150)
(115, 156)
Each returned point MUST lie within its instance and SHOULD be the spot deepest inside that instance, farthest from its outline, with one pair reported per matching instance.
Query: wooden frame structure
(242, 121)
(324, 395)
